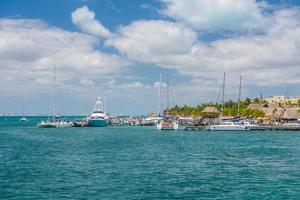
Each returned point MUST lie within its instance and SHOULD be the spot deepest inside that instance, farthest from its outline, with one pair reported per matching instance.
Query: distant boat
(23, 119)
(55, 121)
(98, 118)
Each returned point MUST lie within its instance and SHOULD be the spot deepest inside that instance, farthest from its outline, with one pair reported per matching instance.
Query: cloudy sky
(118, 49)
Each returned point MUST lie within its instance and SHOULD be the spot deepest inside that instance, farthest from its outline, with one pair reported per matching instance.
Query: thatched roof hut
(211, 110)
(267, 108)
(286, 114)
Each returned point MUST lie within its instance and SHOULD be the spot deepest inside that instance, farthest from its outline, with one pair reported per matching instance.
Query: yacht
(98, 118)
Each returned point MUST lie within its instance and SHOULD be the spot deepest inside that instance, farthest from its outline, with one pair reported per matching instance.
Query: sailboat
(228, 126)
(98, 118)
(167, 122)
(54, 121)
(23, 118)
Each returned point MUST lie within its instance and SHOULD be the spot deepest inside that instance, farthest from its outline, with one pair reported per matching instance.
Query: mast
(159, 96)
(168, 91)
(53, 95)
(223, 92)
(240, 91)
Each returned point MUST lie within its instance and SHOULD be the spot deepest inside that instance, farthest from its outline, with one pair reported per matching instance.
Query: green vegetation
(230, 109)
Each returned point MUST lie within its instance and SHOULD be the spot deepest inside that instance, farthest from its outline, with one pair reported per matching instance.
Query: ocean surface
(143, 163)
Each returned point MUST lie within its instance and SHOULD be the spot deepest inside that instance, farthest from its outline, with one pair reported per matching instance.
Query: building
(282, 99)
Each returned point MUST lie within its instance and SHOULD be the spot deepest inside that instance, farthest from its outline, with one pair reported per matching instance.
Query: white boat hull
(227, 128)
(169, 126)
(59, 124)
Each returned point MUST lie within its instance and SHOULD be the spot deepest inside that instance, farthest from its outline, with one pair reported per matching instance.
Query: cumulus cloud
(234, 15)
(29, 50)
(147, 40)
(85, 20)
(264, 58)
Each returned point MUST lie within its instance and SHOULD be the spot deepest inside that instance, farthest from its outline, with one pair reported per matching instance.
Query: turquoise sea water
(142, 163)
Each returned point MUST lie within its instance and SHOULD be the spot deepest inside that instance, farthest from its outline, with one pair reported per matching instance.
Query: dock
(252, 128)
(195, 128)
(274, 128)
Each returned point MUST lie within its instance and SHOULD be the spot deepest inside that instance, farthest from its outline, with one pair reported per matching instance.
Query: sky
(118, 49)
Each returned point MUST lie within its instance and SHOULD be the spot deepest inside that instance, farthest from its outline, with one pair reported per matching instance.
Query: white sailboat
(167, 122)
(23, 118)
(228, 126)
(54, 121)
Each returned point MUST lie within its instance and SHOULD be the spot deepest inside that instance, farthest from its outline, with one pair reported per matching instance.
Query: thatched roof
(212, 110)
(287, 113)
(267, 108)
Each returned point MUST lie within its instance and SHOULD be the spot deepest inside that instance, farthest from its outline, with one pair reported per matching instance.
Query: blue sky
(117, 49)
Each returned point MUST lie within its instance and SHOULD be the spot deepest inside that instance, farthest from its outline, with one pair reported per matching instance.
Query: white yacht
(98, 118)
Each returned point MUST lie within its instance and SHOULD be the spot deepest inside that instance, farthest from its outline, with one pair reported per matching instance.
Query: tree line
(230, 109)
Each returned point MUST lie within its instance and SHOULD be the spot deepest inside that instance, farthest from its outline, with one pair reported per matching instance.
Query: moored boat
(54, 121)
(228, 126)
(98, 118)
(167, 124)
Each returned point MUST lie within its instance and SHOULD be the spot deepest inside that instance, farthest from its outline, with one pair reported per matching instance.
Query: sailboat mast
(53, 94)
(240, 91)
(223, 92)
(159, 96)
(168, 91)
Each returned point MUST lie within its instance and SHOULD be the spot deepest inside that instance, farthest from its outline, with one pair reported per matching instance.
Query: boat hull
(97, 123)
(167, 126)
(46, 125)
(227, 128)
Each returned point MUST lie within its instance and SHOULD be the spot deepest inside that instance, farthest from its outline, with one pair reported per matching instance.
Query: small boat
(47, 124)
(167, 124)
(98, 118)
(80, 123)
(23, 119)
(228, 126)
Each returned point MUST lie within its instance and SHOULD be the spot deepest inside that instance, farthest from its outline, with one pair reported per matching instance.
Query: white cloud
(29, 50)
(149, 40)
(214, 15)
(85, 20)
(264, 58)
